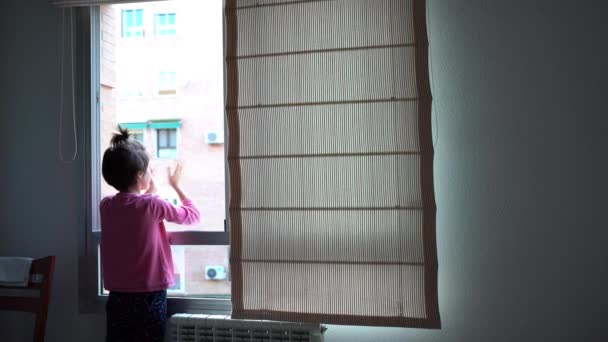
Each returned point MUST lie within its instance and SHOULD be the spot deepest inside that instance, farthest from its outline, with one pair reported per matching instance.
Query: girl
(135, 252)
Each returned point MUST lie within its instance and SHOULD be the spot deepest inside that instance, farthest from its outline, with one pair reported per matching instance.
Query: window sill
(192, 305)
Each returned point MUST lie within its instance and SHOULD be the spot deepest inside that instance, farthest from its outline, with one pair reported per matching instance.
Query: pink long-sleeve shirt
(135, 250)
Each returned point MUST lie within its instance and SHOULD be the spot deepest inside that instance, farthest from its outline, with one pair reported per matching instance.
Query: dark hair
(123, 160)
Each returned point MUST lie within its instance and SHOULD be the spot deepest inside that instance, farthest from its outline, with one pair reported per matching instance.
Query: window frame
(129, 92)
(174, 148)
(180, 261)
(166, 83)
(164, 30)
(143, 136)
(91, 298)
(135, 29)
(167, 143)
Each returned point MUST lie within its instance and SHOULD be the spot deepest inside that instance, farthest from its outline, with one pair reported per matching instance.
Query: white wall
(519, 91)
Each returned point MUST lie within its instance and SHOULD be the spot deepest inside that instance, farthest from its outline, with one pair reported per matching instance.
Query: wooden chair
(41, 279)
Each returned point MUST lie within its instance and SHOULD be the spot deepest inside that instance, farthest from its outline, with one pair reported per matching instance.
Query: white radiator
(216, 328)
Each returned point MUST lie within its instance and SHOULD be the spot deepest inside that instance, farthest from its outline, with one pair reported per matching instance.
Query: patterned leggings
(136, 317)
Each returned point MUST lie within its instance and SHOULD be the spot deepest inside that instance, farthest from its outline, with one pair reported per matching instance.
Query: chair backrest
(41, 279)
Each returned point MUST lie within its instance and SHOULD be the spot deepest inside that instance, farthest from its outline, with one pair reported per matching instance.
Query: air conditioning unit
(214, 137)
(215, 272)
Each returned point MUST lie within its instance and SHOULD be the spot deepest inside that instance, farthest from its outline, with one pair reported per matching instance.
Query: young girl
(135, 253)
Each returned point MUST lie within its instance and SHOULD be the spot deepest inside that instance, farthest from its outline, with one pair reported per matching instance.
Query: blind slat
(331, 77)
(321, 25)
(324, 130)
(305, 52)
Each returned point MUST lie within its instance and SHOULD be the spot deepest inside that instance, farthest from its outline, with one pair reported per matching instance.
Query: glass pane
(161, 19)
(172, 138)
(200, 271)
(171, 32)
(139, 137)
(162, 138)
(128, 17)
(139, 19)
(133, 67)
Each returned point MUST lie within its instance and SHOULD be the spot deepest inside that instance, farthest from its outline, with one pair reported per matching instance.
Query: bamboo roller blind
(330, 157)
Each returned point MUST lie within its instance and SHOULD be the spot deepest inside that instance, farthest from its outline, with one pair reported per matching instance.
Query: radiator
(217, 328)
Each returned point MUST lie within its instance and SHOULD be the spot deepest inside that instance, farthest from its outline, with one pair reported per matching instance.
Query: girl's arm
(187, 213)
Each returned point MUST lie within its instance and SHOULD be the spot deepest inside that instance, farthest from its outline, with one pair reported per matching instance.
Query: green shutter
(134, 125)
(166, 124)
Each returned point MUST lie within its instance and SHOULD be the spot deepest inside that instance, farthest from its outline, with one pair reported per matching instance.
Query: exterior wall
(108, 99)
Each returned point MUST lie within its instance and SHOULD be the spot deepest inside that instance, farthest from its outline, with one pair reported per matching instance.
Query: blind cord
(61, 80)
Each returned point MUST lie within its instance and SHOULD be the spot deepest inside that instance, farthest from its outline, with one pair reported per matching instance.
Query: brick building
(162, 77)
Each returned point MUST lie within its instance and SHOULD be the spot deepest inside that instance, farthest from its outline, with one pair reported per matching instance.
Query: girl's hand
(152, 187)
(175, 177)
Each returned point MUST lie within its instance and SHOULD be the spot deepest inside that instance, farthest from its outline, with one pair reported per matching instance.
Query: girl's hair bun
(120, 138)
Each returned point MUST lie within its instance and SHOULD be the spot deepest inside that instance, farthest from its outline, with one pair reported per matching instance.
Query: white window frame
(164, 87)
(163, 30)
(132, 91)
(134, 29)
(91, 297)
(133, 87)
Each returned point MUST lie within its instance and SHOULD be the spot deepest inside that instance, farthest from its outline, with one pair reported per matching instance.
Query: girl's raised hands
(175, 175)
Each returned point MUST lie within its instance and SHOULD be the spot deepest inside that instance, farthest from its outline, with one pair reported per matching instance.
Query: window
(179, 269)
(167, 82)
(132, 87)
(166, 143)
(138, 136)
(133, 23)
(131, 79)
(164, 24)
(201, 263)
(309, 212)
(137, 130)
(168, 194)
(132, 92)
